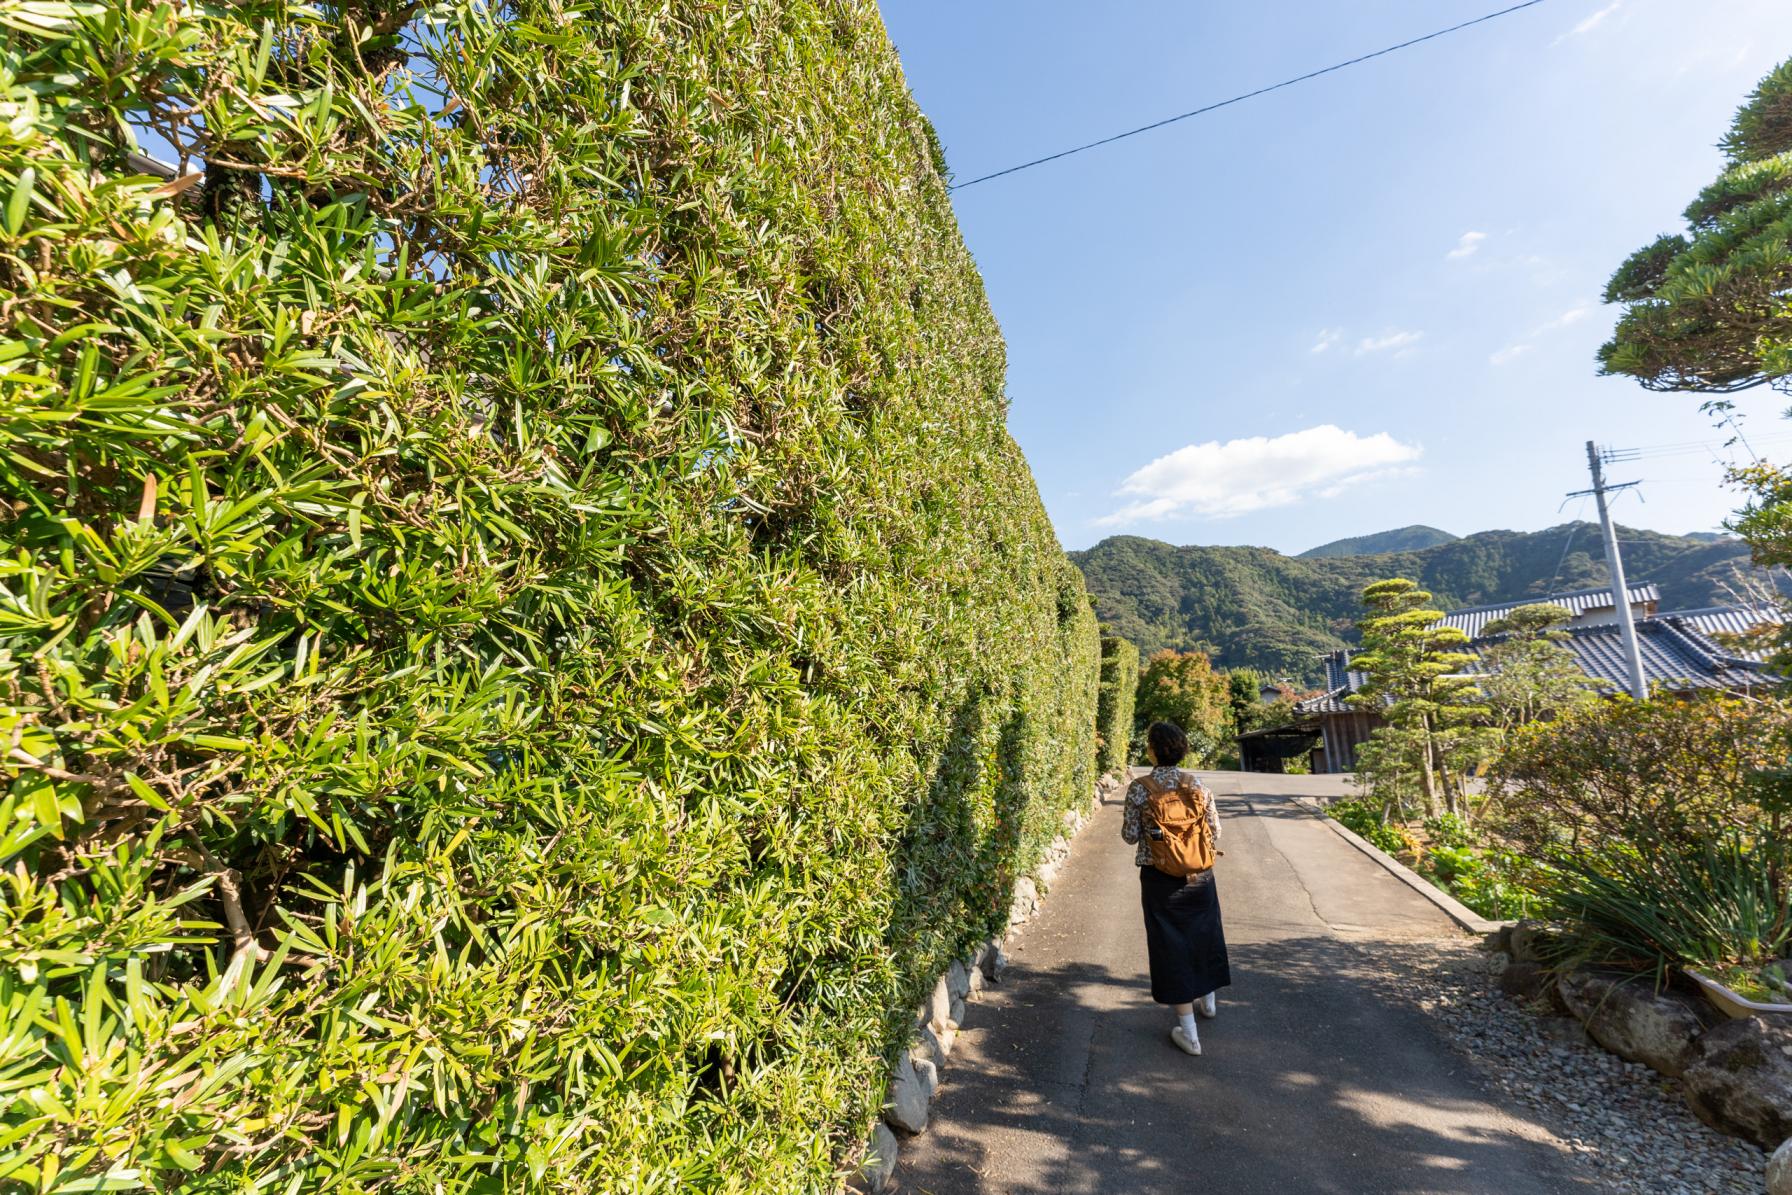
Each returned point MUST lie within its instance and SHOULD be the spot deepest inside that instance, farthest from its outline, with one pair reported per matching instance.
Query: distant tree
(1415, 680)
(1244, 694)
(1528, 676)
(1184, 688)
(1707, 310)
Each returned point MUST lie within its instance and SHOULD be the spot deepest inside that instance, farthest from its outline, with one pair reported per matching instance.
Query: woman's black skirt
(1183, 935)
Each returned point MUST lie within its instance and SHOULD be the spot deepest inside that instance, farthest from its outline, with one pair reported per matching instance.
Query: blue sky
(1367, 301)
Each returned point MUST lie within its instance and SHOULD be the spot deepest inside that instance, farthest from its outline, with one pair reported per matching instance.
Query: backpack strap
(1152, 788)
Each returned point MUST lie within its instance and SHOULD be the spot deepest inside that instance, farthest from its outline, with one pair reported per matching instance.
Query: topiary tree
(1706, 311)
(1414, 679)
(527, 642)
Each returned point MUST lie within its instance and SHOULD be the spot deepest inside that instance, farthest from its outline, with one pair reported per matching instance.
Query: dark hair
(1168, 743)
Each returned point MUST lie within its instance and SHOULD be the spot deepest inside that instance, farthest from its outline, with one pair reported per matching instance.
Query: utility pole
(1633, 655)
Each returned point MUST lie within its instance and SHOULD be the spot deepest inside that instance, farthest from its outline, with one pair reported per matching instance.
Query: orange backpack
(1183, 844)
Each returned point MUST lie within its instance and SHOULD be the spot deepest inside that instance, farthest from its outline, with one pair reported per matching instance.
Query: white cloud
(1216, 481)
(1466, 246)
(1397, 342)
(1509, 354)
(1572, 316)
(1328, 339)
(1592, 22)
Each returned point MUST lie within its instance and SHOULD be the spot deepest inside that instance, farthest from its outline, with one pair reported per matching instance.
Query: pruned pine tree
(1415, 680)
(1527, 675)
(1707, 310)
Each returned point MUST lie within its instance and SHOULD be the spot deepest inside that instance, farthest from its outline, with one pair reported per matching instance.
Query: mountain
(1254, 607)
(1403, 539)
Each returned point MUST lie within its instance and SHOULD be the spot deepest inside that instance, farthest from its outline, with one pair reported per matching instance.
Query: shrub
(527, 639)
(1667, 770)
(1366, 822)
(1449, 830)
(1114, 707)
(1719, 901)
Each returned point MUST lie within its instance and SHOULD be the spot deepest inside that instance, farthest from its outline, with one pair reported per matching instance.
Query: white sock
(1187, 1021)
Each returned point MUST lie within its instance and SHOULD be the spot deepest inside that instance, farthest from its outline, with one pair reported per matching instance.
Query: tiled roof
(1730, 620)
(1678, 654)
(1473, 619)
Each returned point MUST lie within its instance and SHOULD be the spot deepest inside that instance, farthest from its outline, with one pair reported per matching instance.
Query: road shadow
(1319, 1076)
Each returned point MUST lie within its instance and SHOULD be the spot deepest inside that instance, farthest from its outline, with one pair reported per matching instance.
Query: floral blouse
(1132, 824)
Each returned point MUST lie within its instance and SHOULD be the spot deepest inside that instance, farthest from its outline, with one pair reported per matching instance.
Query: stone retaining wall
(1736, 1074)
(917, 1073)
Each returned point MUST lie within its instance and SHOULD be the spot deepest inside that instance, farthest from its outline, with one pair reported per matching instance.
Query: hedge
(527, 643)
(1114, 704)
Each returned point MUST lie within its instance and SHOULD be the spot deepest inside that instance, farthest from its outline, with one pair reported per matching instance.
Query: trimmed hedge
(527, 641)
(1114, 705)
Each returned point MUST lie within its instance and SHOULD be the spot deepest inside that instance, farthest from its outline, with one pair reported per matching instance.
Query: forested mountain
(1254, 607)
(1403, 539)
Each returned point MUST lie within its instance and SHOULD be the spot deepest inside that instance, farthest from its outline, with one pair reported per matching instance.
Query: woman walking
(1171, 816)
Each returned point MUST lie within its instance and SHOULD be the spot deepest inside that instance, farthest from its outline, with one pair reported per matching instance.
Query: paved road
(1064, 1080)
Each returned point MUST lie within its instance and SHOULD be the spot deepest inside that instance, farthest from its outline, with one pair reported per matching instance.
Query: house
(1679, 656)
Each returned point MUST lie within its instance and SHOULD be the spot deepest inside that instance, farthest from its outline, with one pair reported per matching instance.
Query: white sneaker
(1184, 1043)
(1208, 1005)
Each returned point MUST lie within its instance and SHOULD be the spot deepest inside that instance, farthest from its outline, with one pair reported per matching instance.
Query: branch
(230, 892)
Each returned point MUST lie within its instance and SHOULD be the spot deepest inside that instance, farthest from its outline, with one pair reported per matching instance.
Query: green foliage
(1528, 676)
(1664, 770)
(1366, 821)
(1449, 830)
(1717, 901)
(1662, 824)
(1114, 706)
(1182, 687)
(1495, 883)
(527, 641)
(1255, 608)
(1707, 311)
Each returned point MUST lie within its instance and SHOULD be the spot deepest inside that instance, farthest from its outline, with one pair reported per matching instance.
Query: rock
(906, 1106)
(939, 1005)
(1526, 981)
(977, 981)
(1073, 821)
(1628, 1017)
(929, 1047)
(1779, 1170)
(1026, 899)
(1499, 940)
(957, 1010)
(995, 964)
(958, 980)
(877, 1174)
(927, 1074)
(1528, 941)
(1047, 874)
(1738, 1078)
(1498, 962)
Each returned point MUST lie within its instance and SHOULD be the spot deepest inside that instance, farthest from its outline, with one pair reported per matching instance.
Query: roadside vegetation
(1654, 834)
(527, 643)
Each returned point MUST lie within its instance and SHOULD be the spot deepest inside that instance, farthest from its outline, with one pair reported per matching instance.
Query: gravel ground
(1627, 1125)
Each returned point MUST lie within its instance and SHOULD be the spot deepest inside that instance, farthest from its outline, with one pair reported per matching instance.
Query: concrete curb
(1455, 910)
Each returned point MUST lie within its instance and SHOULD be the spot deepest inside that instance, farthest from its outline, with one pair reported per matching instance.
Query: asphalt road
(1064, 1080)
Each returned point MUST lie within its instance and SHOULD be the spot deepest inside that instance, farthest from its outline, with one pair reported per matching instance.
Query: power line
(1249, 95)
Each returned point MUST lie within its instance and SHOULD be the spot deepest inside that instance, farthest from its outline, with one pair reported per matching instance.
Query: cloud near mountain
(1218, 480)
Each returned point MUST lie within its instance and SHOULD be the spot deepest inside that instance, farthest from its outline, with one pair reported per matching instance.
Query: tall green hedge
(1114, 704)
(526, 640)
